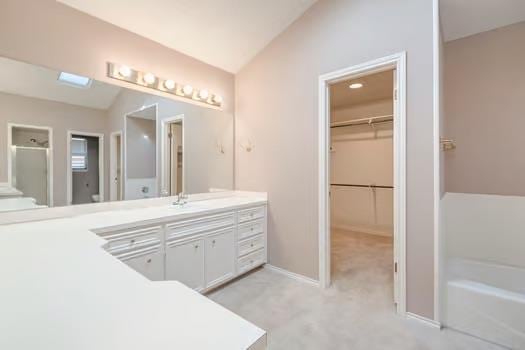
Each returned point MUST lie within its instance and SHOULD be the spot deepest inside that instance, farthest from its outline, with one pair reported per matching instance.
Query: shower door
(30, 172)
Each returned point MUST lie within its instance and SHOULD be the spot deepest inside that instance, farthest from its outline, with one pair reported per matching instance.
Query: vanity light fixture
(203, 94)
(356, 86)
(187, 90)
(124, 71)
(149, 80)
(169, 84)
(217, 99)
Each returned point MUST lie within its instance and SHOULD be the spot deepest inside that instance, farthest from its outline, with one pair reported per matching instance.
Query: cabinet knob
(148, 261)
(251, 229)
(196, 246)
(251, 245)
(213, 242)
(132, 241)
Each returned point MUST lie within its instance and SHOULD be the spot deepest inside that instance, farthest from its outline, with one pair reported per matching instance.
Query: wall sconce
(220, 147)
(149, 80)
(248, 147)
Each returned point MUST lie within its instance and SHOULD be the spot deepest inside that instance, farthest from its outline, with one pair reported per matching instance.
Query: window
(79, 155)
(74, 80)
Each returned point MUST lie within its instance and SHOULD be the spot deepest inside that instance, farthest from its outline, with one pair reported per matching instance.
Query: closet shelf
(364, 186)
(363, 121)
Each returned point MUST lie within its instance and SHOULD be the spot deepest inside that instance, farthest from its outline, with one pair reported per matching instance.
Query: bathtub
(487, 301)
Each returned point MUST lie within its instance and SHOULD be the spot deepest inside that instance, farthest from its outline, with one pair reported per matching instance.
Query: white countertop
(61, 290)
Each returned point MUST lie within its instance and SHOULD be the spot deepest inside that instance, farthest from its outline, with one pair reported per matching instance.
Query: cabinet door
(185, 263)
(150, 265)
(220, 258)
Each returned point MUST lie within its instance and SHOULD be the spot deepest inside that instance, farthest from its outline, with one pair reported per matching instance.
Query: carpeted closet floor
(356, 312)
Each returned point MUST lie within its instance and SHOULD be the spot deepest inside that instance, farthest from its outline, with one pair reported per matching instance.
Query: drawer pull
(132, 241)
(251, 245)
(213, 242)
(251, 229)
(196, 246)
(148, 261)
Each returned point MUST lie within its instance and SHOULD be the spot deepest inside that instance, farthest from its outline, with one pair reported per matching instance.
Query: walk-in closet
(361, 190)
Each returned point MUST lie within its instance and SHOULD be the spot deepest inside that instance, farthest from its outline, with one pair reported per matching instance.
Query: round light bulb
(169, 84)
(217, 99)
(187, 90)
(203, 94)
(355, 86)
(124, 71)
(148, 78)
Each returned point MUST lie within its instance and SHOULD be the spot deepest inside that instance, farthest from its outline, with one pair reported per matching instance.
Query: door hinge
(395, 94)
(395, 267)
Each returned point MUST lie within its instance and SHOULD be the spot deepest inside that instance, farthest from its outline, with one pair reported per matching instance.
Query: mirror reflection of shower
(44, 143)
(29, 166)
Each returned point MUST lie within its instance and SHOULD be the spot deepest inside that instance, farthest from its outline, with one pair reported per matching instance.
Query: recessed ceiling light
(356, 86)
(74, 80)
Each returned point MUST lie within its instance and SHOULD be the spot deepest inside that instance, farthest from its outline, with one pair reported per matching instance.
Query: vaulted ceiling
(224, 33)
(462, 18)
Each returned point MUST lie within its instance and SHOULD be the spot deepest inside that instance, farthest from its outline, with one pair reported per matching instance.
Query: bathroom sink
(190, 206)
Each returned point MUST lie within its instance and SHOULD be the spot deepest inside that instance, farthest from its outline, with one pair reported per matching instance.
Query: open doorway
(173, 155)
(361, 196)
(115, 166)
(362, 180)
(85, 171)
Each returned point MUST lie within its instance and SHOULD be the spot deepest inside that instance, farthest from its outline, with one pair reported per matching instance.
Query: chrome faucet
(181, 199)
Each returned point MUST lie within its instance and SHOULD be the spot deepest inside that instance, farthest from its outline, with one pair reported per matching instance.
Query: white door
(220, 257)
(396, 238)
(185, 263)
(151, 266)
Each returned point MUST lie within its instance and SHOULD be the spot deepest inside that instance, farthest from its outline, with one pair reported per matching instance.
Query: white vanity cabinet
(185, 263)
(140, 248)
(202, 252)
(220, 257)
(150, 265)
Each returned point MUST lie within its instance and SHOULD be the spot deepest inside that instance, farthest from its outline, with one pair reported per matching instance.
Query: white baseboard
(292, 275)
(363, 229)
(427, 321)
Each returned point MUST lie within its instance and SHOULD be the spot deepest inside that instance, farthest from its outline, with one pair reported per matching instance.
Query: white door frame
(69, 176)
(113, 166)
(125, 149)
(164, 152)
(49, 129)
(397, 62)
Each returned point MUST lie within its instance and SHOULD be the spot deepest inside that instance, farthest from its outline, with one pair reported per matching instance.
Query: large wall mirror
(73, 140)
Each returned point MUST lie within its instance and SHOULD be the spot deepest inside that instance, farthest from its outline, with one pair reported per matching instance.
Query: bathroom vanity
(204, 248)
(72, 282)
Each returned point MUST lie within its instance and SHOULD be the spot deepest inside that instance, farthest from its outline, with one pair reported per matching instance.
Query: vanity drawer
(183, 228)
(251, 214)
(134, 238)
(250, 245)
(251, 261)
(250, 229)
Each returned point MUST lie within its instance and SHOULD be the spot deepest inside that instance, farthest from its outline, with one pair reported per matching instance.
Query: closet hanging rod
(363, 121)
(364, 186)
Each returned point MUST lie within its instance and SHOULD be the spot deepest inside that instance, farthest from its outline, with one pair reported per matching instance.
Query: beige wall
(484, 109)
(60, 117)
(276, 109)
(53, 35)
